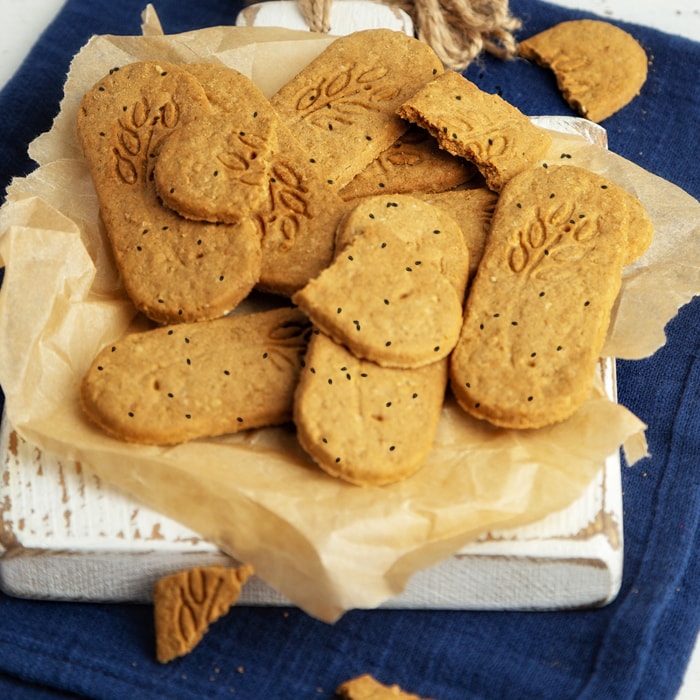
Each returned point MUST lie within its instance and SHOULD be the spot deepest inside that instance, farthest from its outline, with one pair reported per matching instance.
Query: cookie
(366, 424)
(394, 291)
(177, 383)
(186, 603)
(341, 107)
(472, 209)
(174, 270)
(413, 163)
(216, 168)
(599, 67)
(483, 128)
(539, 306)
(366, 687)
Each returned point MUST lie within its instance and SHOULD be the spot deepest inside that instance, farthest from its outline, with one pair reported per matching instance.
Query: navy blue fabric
(635, 648)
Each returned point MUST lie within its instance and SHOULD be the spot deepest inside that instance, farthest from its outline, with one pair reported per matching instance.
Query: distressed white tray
(68, 536)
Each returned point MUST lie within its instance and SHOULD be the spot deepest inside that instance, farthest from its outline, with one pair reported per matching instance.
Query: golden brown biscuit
(188, 602)
(481, 127)
(394, 291)
(413, 163)
(366, 424)
(176, 383)
(341, 107)
(174, 270)
(599, 67)
(540, 304)
(366, 687)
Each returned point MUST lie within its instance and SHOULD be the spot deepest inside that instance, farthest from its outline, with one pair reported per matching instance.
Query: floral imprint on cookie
(341, 99)
(138, 132)
(552, 243)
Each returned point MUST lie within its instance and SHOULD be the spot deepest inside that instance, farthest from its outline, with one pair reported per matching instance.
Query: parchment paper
(326, 545)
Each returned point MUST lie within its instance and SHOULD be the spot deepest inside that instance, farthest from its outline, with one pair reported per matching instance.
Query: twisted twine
(457, 30)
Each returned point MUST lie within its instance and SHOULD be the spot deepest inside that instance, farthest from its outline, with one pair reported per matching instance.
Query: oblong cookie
(539, 306)
(363, 423)
(395, 289)
(341, 107)
(599, 67)
(466, 121)
(173, 384)
(174, 270)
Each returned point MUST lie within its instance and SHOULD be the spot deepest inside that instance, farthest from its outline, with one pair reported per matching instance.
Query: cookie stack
(408, 226)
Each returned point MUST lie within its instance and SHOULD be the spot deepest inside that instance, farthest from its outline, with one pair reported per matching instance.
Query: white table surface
(22, 21)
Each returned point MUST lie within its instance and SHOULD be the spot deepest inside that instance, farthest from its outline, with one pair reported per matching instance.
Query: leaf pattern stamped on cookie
(287, 206)
(489, 136)
(540, 305)
(243, 160)
(296, 219)
(286, 343)
(187, 602)
(197, 603)
(341, 98)
(552, 243)
(137, 134)
(342, 106)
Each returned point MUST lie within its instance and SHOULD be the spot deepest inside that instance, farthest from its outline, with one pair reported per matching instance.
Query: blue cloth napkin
(636, 647)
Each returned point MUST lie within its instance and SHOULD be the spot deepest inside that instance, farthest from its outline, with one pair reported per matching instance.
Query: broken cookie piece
(394, 291)
(599, 67)
(483, 128)
(188, 602)
(366, 687)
